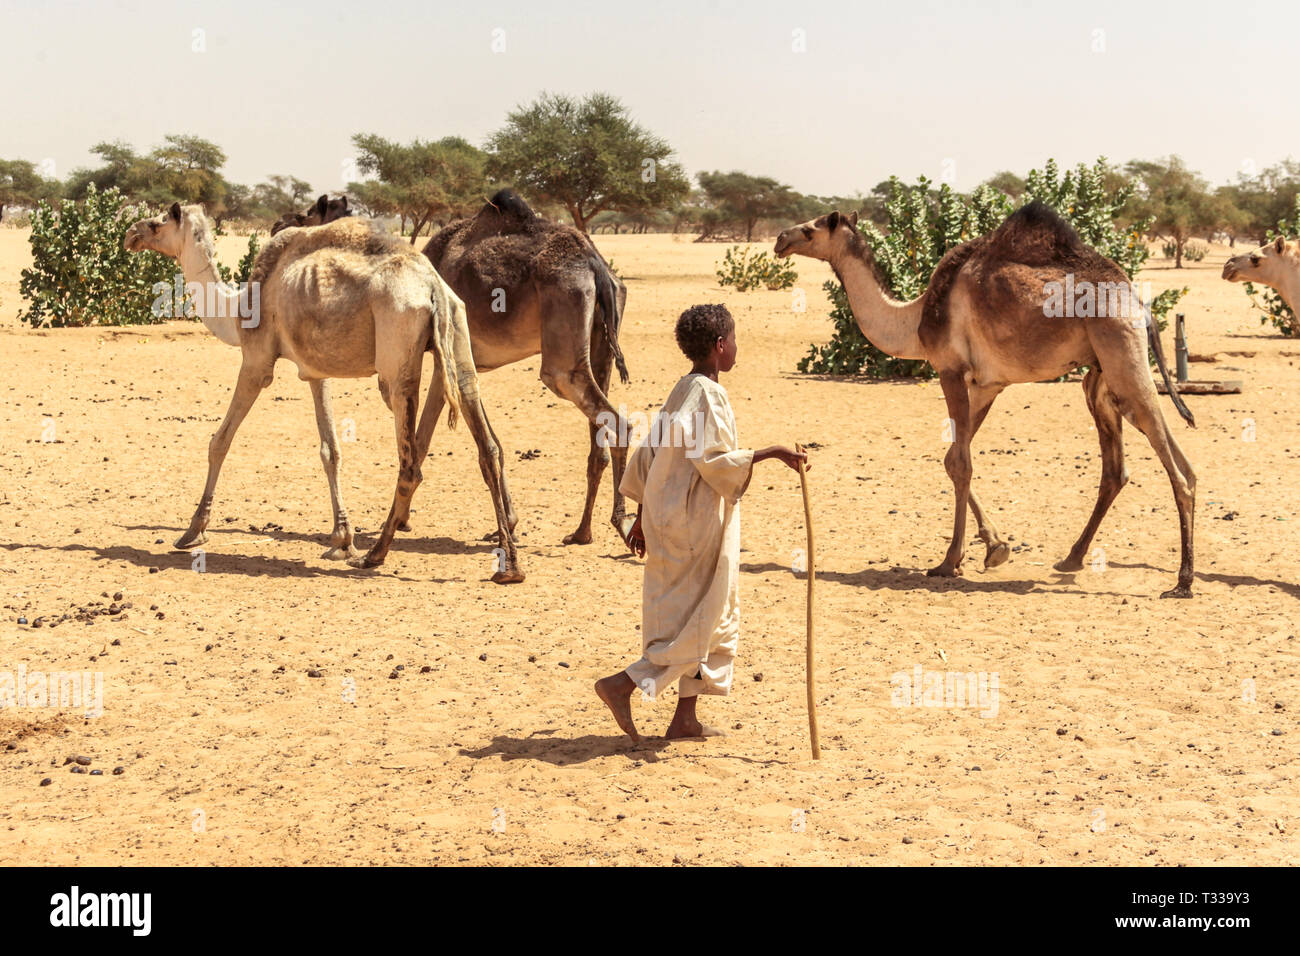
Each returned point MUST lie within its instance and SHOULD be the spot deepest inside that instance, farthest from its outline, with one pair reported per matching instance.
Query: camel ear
(1280, 246)
(322, 204)
(833, 221)
(344, 200)
(176, 211)
(853, 219)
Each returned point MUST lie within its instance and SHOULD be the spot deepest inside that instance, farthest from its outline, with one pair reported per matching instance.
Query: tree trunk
(1178, 253)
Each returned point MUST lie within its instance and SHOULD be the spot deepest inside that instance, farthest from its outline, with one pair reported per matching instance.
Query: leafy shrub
(80, 273)
(923, 224)
(1192, 251)
(1275, 309)
(244, 268)
(744, 269)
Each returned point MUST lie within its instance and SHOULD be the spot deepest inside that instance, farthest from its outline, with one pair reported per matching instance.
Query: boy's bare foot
(680, 728)
(685, 725)
(616, 692)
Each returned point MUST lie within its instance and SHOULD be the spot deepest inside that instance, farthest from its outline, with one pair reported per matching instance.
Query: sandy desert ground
(1128, 730)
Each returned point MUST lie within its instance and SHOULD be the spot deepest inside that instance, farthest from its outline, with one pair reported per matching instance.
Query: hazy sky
(908, 88)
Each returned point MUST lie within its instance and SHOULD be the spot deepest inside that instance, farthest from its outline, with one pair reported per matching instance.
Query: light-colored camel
(531, 285)
(340, 301)
(1276, 265)
(986, 321)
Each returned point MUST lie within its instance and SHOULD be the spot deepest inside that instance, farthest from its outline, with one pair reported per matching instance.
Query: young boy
(688, 476)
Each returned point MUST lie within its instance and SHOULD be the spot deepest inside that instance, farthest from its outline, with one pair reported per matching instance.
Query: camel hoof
(996, 556)
(943, 571)
(1069, 564)
(363, 562)
(513, 576)
(403, 526)
(578, 537)
(188, 541)
(1181, 591)
(341, 552)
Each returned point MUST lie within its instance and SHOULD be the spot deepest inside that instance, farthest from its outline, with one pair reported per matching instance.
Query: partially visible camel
(532, 285)
(341, 301)
(983, 323)
(322, 211)
(1276, 264)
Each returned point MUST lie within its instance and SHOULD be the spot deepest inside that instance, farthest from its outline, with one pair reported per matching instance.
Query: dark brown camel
(531, 285)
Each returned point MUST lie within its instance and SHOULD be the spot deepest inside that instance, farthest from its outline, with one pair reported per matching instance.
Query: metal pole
(1180, 346)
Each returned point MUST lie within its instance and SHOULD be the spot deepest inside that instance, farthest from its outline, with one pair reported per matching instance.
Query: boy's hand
(636, 538)
(787, 455)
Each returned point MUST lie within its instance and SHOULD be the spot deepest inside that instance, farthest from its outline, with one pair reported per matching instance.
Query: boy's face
(727, 351)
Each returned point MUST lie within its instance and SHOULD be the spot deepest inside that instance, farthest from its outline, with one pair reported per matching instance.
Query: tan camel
(1276, 264)
(987, 321)
(531, 285)
(341, 301)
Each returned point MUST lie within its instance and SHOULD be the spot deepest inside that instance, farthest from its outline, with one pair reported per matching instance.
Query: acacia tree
(744, 199)
(427, 182)
(586, 155)
(22, 185)
(1176, 200)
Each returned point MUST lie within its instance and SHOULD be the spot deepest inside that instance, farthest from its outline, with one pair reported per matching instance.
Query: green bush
(1274, 307)
(744, 269)
(80, 273)
(923, 224)
(1192, 251)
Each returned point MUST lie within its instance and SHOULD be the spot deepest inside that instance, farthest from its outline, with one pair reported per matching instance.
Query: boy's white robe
(689, 478)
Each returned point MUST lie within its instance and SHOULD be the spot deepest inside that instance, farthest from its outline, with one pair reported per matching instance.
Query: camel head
(818, 238)
(1271, 265)
(170, 233)
(325, 210)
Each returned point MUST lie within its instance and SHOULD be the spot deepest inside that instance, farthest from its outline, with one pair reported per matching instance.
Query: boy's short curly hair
(700, 327)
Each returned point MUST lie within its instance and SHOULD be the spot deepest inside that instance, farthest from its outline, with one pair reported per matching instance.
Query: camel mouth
(1230, 272)
(783, 248)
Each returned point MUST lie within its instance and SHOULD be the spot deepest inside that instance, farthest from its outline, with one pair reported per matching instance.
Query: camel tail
(1153, 335)
(607, 296)
(446, 317)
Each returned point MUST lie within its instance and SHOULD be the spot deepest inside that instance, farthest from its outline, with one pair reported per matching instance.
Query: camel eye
(1254, 260)
(807, 232)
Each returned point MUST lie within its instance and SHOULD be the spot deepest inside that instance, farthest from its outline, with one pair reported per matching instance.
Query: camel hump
(510, 205)
(1036, 235)
(358, 236)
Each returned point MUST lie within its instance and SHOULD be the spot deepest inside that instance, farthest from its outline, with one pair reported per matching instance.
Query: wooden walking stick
(812, 576)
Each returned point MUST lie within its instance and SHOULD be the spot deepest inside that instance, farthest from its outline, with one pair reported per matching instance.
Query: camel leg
(957, 462)
(567, 371)
(512, 519)
(1114, 475)
(330, 455)
(398, 361)
(247, 388)
(490, 464)
(996, 551)
(424, 438)
(1129, 379)
(599, 456)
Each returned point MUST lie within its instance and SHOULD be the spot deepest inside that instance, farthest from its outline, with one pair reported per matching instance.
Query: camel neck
(1289, 290)
(889, 325)
(215, 302)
